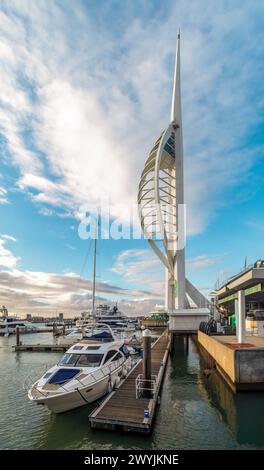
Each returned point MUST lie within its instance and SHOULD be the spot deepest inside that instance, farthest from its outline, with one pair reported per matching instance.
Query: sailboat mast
(94, 268)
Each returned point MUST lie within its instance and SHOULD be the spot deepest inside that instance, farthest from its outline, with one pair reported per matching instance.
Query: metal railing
(146, 385)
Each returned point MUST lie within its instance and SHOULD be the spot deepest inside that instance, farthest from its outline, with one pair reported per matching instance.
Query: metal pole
(242, 316)
(237, 317)
(146, 364)
(94, 268)
(17, 335)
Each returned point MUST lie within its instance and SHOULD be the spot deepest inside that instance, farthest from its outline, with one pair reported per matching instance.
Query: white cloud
(202, 261)
(46, 211)
(7, 258)
(94, 112)
(8, 237)
(140, 266)
(3, 195)
(40, 292)
(70, 247)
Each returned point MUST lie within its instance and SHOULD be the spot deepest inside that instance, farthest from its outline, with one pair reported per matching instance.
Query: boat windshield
(81, 360)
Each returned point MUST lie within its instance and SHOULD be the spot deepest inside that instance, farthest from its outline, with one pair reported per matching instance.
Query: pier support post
(241, 335)
(146, 364)
(187, 344)
(17, 336)
(171, 343)
(237, 317)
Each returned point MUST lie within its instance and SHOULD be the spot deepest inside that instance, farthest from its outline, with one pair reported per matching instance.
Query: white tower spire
(176, 92)
(161, 204)
(176, 120)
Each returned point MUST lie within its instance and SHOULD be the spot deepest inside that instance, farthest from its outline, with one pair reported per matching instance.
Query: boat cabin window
(84, 360)
(109, 355)
(124, 350)
(90, 360)
(117, 356)
(69, 359)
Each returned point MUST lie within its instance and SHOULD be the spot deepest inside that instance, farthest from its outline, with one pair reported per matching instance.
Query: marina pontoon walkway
(122, 410)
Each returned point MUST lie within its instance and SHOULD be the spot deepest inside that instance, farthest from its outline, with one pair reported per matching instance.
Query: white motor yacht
(8, 326)
(86, 320)
(71, 337)
(113, 317)
(87, 371)
(94, 331)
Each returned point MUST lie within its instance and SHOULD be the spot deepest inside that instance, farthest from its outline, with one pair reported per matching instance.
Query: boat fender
(117, 382)
(110, 386)
(124, 372)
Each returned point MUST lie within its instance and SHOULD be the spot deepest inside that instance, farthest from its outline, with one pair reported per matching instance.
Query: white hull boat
(86, 372)
(8, 326)
(95, 332)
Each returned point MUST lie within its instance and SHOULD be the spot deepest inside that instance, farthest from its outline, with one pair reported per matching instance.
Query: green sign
(227, 299)
(248, 291)
(254, 289)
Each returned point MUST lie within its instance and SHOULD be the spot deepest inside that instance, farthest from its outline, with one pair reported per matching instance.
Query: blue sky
(85, 90)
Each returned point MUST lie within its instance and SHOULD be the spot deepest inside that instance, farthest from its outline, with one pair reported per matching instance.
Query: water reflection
(243, 412)
(71, 430)
(186, 420)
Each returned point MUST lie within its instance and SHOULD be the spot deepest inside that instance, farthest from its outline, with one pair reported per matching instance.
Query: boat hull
(79, 397)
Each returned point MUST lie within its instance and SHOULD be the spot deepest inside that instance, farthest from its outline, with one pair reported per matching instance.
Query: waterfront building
(250, 281)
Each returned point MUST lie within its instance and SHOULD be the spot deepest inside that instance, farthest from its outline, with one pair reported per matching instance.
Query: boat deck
(121, 410)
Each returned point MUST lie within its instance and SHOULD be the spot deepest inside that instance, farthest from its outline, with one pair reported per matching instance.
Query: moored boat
(87, 371)
(8, 326)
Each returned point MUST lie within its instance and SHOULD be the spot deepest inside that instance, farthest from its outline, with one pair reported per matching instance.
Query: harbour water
(196, 412)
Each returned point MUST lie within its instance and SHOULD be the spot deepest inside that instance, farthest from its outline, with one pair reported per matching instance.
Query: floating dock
(241, 365)
(40, 347)
(122, 410)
